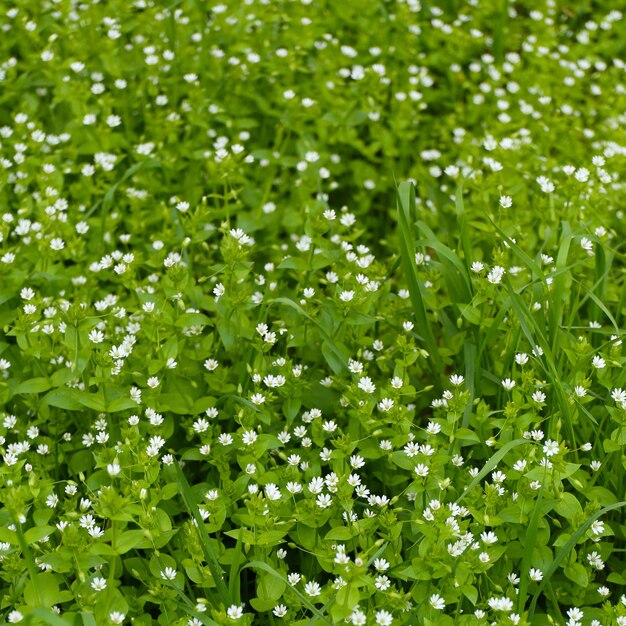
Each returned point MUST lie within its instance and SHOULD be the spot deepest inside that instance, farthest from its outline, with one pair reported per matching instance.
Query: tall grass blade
(490, 465)
(406, 207)
(213, 563)
(565, 550)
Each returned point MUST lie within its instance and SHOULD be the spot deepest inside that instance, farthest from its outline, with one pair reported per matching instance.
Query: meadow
(311, 312)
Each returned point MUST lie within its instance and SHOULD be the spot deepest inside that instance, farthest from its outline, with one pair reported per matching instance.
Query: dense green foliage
(247, 376)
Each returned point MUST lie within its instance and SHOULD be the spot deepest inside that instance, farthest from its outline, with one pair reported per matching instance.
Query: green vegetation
(312, 312)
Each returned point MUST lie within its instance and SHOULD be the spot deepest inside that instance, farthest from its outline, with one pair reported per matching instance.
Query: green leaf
(569, 507)
(47, 616)
(577, 573)
(33, 385)
(48, 592)
(37, 533)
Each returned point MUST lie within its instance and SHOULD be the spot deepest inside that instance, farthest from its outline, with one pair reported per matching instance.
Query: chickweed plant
(311, 312)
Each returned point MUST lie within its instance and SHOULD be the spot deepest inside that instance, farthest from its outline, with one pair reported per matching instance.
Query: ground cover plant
(312, 312)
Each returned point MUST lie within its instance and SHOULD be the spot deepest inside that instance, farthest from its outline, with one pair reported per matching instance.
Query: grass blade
(192, 507)
(490, 465)
(406, 204)
(529, 546)
(564, 551)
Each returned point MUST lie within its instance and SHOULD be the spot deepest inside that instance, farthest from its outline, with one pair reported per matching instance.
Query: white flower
(550, 448)
(346, 296)
(96, 336)
(539, 397)
(114, 468)
(324, 500)
(501, 604)
(272, 492)
(421, 470)
(598, 362)
(521, 358)
(249, 437)
(169, 573)
(437, 602)
(619, 396)
(366, 384)
(312, 589)
(234, 611)
(218, 291)
(383, 618)
(98, 584)
(495, 275)
(535, 574)
(381, 565)
(508, 384)
(506, 202)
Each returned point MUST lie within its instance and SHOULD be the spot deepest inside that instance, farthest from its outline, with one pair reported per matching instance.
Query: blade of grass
(493, 329)
(472, 375)
(406, 203)
(459, 287)
(564, 551)
(463, 230)
(28, 555)
(535, 336)
(530, 540)
(189, 608)
(490, 465)
(233, 578)
(192, 507)
(559, 296)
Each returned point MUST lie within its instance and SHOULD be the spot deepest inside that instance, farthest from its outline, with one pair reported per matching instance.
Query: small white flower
(346, 296)
(98, 584)
(437, 602)
(114, 468)
(366, 384)
(169, 573)
(495, 275)
(598, 362)
(312, 589)
(235, 611)
(96, 336)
